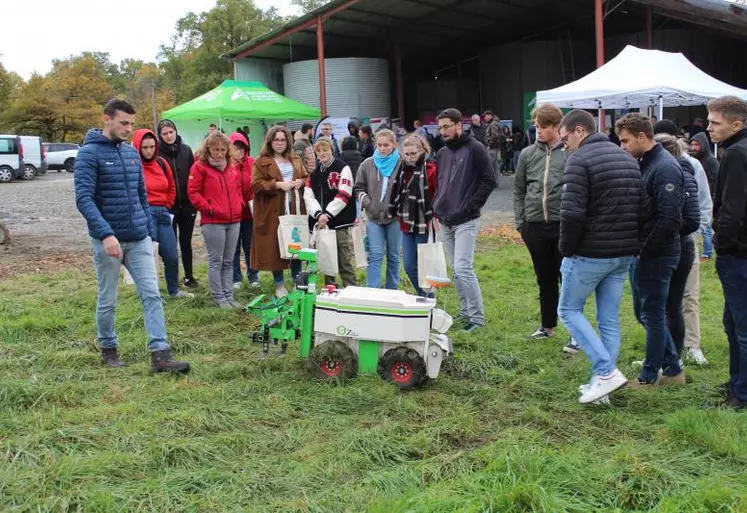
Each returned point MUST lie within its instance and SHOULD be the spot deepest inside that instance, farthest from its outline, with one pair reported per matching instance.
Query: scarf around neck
(219, 164)
(386, 165)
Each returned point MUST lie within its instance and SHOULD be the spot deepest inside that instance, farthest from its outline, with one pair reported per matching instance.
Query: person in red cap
(244, 164)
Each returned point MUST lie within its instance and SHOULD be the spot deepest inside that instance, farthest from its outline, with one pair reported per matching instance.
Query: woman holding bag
(328, 196)
(277, 178)
(214, 190)
(412, 198)
(373, 188)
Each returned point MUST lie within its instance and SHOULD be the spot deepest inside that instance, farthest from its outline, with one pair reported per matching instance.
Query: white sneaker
(255, 285)
(582, 389)
(697, 356)
(601, 386)
(281, 292)
(236, 285)
(182, 294)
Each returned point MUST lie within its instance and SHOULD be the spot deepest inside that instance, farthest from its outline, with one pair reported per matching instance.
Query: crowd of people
(592, 213)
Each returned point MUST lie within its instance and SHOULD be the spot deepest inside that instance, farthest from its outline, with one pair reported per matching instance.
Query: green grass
(500, 430)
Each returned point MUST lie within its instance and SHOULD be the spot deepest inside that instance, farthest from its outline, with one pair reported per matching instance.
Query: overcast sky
(36, 31)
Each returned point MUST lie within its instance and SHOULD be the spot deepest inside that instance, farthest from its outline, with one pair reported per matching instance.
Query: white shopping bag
(325, 242)
(359, 234)
(293, 229)
(431, 261)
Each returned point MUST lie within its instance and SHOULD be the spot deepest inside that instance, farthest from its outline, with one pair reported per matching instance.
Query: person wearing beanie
(180, 158)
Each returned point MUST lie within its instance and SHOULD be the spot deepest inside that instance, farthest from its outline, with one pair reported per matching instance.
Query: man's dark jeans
(649, 279)
(732, 271)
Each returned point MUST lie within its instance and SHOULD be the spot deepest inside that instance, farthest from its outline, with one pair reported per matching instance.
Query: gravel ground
(48, 232)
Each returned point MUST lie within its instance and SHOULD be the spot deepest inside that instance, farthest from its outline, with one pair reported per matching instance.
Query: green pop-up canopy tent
(233, 104)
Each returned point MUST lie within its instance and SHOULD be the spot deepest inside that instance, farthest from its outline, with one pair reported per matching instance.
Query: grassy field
(500, 430)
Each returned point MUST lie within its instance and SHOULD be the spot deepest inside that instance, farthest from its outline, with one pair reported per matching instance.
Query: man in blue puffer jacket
(110, 193)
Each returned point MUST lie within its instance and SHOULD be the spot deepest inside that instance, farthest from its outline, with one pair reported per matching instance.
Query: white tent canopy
(638, 78)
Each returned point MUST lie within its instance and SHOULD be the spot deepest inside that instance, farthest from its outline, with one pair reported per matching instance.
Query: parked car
(33, 156)
(61, 156)
(11, 158)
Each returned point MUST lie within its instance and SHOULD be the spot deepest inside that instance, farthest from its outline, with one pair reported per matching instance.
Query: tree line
(64, 103)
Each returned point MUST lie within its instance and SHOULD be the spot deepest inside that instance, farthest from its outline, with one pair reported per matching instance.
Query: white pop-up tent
(638, 78)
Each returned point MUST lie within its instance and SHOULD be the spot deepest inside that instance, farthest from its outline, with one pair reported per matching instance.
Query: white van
(33, 156)
(11, 158)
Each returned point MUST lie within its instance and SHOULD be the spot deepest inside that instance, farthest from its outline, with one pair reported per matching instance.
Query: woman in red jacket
(244, 165)
(214, 190)
(161, 190)
(412, 202)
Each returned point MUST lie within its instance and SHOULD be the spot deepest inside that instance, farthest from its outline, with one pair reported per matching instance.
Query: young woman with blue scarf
(373, 189)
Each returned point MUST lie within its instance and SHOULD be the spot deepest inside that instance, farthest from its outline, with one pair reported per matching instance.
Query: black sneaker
(541, 333)
(191, 283)
(571, 347)
(472, 327)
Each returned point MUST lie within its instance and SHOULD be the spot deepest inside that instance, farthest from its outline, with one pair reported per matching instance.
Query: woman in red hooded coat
(243, 165)
(161, 190)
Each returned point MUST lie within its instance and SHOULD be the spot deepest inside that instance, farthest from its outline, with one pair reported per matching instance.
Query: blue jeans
(649, 279)
(732, 271)
(383, 239)
(245, 243)
(708, 241)
(166, 239)
(410, 243)
(295, 270)
(604, 277)
(138, 259)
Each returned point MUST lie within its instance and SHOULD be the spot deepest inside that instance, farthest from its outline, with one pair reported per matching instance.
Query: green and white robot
(357, 330)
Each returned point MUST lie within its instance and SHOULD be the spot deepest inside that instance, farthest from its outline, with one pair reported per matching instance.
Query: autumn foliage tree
(63, 104)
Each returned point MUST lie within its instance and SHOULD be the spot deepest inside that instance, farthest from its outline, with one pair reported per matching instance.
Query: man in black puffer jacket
(600, 213)
(651, 273)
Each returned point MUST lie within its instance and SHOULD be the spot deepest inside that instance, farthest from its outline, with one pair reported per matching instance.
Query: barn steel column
(320, 59)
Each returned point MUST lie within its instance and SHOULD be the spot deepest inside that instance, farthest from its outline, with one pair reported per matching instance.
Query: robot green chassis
(399, 336)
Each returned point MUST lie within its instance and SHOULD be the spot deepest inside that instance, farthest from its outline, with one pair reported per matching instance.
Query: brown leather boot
(110, 357)
(162, 361)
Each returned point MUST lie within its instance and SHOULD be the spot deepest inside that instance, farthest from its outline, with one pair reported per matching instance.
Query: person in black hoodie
(351, 155)
(180, 158)
(651, 273)
(726, 124)
(702, 151)
(367, 142)
(465, 179)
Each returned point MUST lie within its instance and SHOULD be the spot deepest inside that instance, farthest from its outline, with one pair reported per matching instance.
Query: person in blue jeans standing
(244, 164)
(161, 190)
(373, 189)
(465, 180)
(412, 202)
(601, 182)
(110, 193)
(726, 124)
(652, 271)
